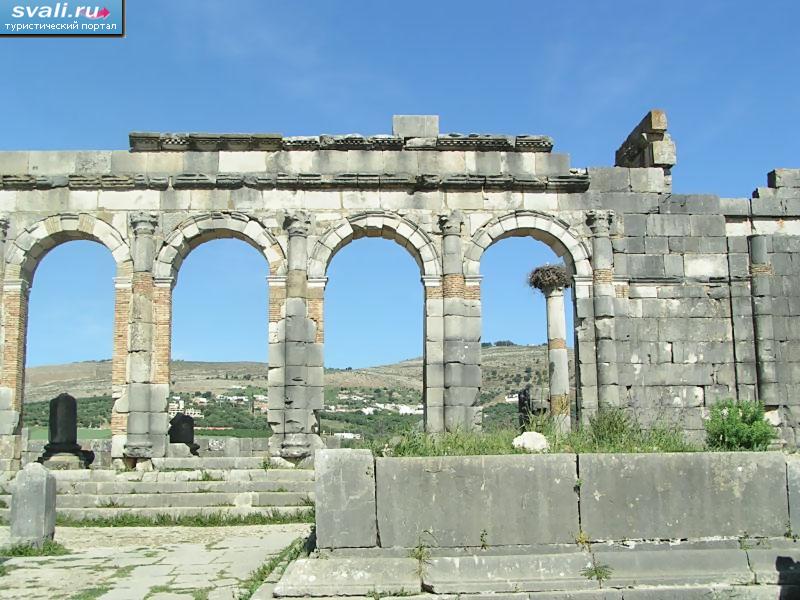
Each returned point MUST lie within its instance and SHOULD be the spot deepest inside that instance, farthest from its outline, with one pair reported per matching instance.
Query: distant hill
(506, 369)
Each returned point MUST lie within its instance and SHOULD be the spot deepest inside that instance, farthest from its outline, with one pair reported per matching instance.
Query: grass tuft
(211, 520)
(91, 593)
(49, 548)
(279, 561)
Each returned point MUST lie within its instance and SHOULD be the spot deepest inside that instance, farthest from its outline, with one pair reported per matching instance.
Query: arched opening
(374, 341)
(70, 339)
(514, 341)
(218, 370)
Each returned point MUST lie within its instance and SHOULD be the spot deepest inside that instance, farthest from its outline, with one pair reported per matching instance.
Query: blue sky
(583, 72)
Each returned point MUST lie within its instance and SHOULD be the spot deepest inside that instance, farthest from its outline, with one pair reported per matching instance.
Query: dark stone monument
(524, 407)
(62, 450)
(181, 431)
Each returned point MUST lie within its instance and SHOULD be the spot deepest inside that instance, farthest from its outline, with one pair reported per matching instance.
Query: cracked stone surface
(134, 563)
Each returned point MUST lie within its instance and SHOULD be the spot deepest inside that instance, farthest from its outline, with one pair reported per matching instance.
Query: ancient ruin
(679, 299)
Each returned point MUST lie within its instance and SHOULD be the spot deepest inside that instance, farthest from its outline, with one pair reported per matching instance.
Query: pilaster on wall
(12, 378)
(295, 360)
(119, 362)
(761, 273)
(604, 293)
(433, 355)
(148, 348)
(461, 347)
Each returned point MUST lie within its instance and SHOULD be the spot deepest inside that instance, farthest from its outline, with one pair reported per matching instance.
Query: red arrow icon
(101, 14)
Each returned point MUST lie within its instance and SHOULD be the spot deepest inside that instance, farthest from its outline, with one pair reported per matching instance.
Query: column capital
(431, 280)
(451, 223)
(599, 221)
(123, 282)
(317, 282)
(297, 223)
(143, 223)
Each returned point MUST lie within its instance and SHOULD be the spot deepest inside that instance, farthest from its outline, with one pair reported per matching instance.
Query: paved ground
(156, 563)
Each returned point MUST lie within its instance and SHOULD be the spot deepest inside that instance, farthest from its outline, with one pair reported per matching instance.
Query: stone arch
(375, 224)
(546, 228)
(32, 244)
(203, 228)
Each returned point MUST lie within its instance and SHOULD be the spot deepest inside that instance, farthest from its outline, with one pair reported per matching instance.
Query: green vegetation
(272, 517)
(279, 561)
(225, 414)
(84, 433)
(237, 433)
(92, 412)
(4, 570)
(380, 424)
(422, 552)
(738, 425)
(91, 593)
(598, 572)
(49, 548)
(610, 430)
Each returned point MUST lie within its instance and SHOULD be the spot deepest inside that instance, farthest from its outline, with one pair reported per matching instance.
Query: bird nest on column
(548, 277)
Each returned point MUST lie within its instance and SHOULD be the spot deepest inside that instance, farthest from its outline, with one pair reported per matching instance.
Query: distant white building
(346, 435)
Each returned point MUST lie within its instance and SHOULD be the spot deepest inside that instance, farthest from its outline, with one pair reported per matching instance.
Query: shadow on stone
(62, 450)
(788, 577)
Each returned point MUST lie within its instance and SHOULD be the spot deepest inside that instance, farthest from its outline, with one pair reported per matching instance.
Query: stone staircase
(180, 487)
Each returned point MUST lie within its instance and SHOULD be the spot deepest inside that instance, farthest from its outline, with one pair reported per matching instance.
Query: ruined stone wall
(680, 300)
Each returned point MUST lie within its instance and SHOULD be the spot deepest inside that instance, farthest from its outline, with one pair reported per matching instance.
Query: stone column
(551, 280)
(761, 274)
(603, 300)
(558, 358)
(146, 399)
(300, 352)
(462, 372)
(433, 355)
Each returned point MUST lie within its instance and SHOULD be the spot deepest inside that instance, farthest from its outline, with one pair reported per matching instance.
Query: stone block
(51, 163)
(669, 225)
(610, 179)
(415, 126)
(13, 163)
(33, 506)
(9, 421)
(784, 178)
(675, 567)
(551, 164)
(345, 495)
(357, 576)
(704, 266)
(504, 574)
(649, 179)
(677, 496)
(513, 499)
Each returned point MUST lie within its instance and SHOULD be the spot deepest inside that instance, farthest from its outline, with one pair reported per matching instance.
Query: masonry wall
(680, 300)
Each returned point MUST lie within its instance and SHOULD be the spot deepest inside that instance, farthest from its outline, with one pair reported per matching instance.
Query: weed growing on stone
(422, 552)
(3, 504)
(599, 572)
(91, 593)
(279, 562)
(159, 589)
(200, 594)
(272, 517)
(582, 539)
(484, 542)
(49, 548)
(206, 476)
(4, 570)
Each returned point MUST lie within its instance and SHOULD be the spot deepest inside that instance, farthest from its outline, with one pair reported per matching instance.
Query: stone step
(208, 462)
(179, 500)
(87, 514)
(65, 478)
(184, 487)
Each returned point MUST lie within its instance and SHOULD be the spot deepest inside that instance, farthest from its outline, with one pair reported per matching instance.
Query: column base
(300, 447)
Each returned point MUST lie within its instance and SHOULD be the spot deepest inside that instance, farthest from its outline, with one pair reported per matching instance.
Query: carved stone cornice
(143, 141)
(572, 183)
